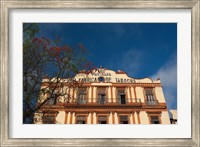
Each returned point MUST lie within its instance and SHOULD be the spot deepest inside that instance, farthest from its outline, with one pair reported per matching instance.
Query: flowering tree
(46, 58)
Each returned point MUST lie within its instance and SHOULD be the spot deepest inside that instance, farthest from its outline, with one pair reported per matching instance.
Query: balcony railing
(102, 101)
(154, 102)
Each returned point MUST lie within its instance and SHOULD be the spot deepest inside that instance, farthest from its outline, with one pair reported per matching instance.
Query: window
(102, 119)
(53, 99)
(154, 117)
(154, 120)
(123, 119)
(101, 95)
(101, 98)
(150, 96)
(48, 119)
(81, 119)
(121, 95)
(101, 79)
(82, 96)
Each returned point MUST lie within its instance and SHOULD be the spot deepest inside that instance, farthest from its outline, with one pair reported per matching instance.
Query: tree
(44, 58)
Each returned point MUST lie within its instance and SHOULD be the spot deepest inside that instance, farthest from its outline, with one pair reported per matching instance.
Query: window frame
(119, 94)
(102, 93)
(85, 94)
(157, 119)
(128, 117)
(101, 100)
(100, 115)
(153, 114)
(53, 100)
(52, 114)
(83, 115)
(147, 101)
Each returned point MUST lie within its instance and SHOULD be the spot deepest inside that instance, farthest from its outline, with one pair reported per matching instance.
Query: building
(105, 97)
(173, 116)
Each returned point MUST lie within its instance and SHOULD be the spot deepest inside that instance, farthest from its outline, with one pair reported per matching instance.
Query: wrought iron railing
(102, 101)
(153, 102)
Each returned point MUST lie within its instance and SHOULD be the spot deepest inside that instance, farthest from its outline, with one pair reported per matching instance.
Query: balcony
(104, 101)
(97, 102)
(152, 103)
(107, 102)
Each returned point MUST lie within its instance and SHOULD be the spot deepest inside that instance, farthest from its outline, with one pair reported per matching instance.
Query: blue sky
(139, 49)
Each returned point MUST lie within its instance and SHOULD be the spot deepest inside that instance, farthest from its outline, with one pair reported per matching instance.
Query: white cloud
(168, 77)
(132, 60)
(168, 73)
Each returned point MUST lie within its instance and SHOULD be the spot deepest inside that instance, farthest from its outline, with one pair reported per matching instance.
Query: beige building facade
(104, 97)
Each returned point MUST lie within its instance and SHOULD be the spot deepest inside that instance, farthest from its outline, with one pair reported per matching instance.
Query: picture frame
(84, 4)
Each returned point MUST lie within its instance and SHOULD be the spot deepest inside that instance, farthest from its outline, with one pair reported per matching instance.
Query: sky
(140, 49)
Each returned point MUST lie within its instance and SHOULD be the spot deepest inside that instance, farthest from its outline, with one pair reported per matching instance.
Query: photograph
(100, 73)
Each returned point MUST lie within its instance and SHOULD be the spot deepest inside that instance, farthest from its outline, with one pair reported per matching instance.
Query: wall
(140, 93)
(60, 118)
(165, 117)
(144, 119)
(159, 94)
(143, 116)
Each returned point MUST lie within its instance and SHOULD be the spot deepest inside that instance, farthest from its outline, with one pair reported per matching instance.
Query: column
(135, 94)
(95, 118)
(130, 94)
(116, 118)
(111, 94)
(66, 117)
(89, 95)
(92, 117)
(133, 117)
(94, 94)
(114, 95)
(138, 116)
(70, 121)
(113, 118)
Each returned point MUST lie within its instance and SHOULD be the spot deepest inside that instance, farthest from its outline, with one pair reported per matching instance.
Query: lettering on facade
(124, 80)
(101, 72)
(107, 78)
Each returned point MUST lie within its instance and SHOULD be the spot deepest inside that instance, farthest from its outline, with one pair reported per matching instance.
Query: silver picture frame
(7, 5)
